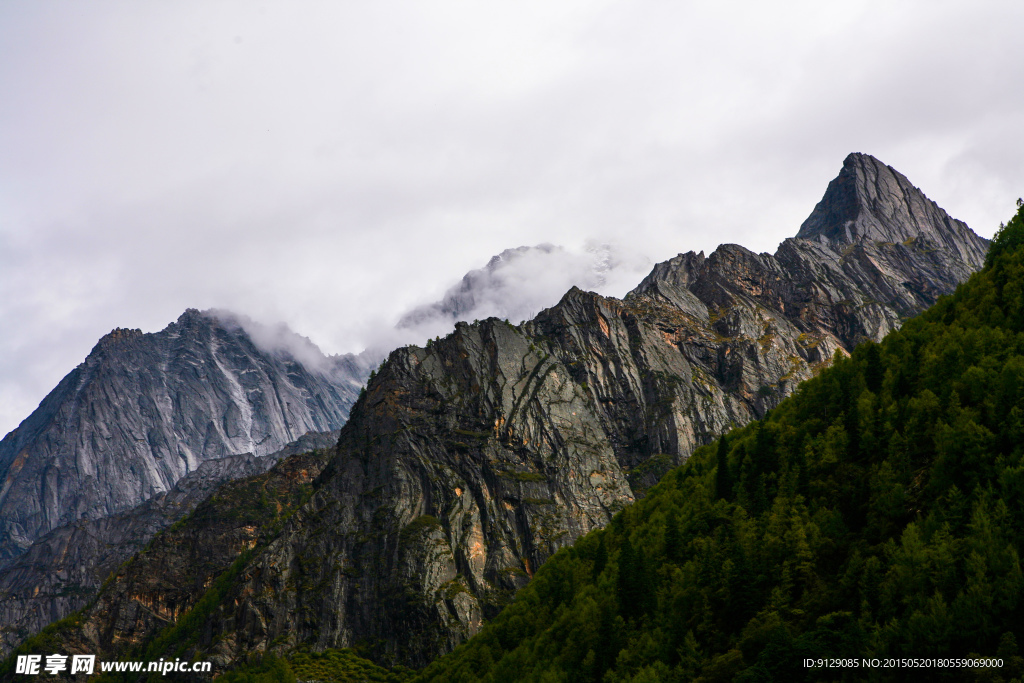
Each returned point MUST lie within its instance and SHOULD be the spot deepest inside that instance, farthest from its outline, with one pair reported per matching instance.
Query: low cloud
(282, 342)
(337, 165)
(519, 283)
(276, 339)
(515, 285)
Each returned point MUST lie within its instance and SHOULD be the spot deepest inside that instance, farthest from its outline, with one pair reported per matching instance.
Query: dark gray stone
(144, 410)
(469, 462)
(62, 571)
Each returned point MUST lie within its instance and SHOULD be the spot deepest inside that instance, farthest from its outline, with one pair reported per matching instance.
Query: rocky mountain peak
(678, 271)
(870, 201)
(144, 410)
(116, 337)
(469, 462)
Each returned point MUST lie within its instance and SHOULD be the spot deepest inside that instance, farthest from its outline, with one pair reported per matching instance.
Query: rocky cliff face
(188, 560)
(469, 462)
(871, 202)
(62, 571)
(144, 410)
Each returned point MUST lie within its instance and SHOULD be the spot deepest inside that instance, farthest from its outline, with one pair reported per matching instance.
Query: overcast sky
(331, 165)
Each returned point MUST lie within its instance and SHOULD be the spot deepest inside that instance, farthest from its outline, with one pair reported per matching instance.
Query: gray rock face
(469, 462)
(144, 410)
(178, 567)
(871, 202)
(62, 571)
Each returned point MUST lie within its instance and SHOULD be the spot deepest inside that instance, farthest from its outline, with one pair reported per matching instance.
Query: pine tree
(874, 372)
(631, 581)
(723, 478)
(600, 557)
(673, 547)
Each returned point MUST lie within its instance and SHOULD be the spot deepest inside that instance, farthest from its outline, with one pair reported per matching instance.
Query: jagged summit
(144, 410)
(870, 201)
(114, 338)
(469, 462)
(875, 250)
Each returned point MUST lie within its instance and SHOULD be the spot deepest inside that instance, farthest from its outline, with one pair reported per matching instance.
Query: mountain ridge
(880, 510)
(142, 410)
(469, 462)
(63, 570)
(871, 200)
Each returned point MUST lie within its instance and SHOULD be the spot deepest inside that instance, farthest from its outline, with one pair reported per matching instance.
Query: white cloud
(331, 165)
(519, 283)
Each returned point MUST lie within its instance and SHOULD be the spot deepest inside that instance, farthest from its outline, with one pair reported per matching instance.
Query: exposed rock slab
(144, 410)
(62, 571)
(469, 462)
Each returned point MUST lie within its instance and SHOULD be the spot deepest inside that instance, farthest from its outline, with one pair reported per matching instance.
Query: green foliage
(647, 473)
(342, 666)
(878, 512)
(1009, 237)
(330, 666)
(723, 477)
(48, 640)
(266, 669)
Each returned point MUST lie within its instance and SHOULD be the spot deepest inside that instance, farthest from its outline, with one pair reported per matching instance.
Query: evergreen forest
(875, 514)
(878, 513)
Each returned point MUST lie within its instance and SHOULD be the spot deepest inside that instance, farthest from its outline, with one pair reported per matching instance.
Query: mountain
(871, 202)
(518, 283)
(196, 557)
(469, 462)
(62, 571)
(878, 511)
(144, 410)
(215, 383)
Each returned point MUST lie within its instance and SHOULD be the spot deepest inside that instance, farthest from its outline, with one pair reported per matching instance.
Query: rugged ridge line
(62, 571)
(869, 201)
(144, 410)
(469, 462)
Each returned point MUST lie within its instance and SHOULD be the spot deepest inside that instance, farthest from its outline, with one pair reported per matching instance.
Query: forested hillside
(878, 512)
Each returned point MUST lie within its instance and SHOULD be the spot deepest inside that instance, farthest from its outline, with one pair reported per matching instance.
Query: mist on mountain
(518, 283)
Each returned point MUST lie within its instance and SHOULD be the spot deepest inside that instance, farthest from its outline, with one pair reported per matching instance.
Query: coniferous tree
(723, 478)
(673, 547)
(907, 540)
(631, 581)
(1009, 236)
(600, 558)
(874, 372)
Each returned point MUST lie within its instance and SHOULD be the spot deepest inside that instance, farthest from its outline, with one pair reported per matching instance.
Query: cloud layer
(334, 165)
(519, 283)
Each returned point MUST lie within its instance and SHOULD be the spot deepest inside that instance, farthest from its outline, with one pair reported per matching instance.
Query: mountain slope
(869, 201)
(143, 410)
(62, 571)
(876, 513)
(469, 462)
(170, 586)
